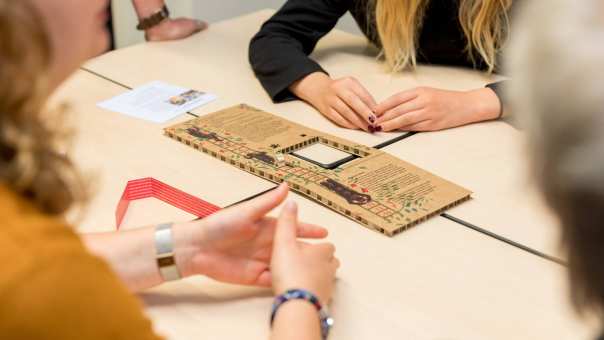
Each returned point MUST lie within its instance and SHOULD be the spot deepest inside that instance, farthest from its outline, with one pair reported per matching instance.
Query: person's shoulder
(28, 237)
(52, 287)
(71, 296)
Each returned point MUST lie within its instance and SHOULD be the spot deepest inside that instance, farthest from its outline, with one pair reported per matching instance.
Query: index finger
(366, 97)
(359, 108)
(394, 101)
(262, 205)
(311, 231)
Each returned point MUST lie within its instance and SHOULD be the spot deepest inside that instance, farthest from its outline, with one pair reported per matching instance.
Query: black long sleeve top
(279, 52)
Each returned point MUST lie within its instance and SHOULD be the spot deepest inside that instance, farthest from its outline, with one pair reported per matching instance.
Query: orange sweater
(52, 288)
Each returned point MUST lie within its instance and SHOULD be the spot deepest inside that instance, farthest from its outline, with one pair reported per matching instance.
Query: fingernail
(371, 128)
(201, 24)
(378, 128)
(372, 119)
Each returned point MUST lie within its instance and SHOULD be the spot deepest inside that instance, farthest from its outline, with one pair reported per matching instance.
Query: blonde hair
(556, 62)
(31, 162)
(399, 22)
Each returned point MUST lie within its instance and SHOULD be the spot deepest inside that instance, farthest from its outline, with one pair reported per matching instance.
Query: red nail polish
(371, 128)
(378, 128)
(371, 119)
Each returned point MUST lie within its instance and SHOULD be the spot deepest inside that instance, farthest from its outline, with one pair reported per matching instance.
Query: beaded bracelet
(301, 294)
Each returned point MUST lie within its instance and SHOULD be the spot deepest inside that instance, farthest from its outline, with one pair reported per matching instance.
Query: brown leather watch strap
(153, 20)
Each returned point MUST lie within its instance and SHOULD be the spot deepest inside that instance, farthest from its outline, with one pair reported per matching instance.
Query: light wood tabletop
(438, 280)
(486, 158)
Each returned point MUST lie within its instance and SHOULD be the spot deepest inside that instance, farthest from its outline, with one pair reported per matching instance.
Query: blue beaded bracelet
(300, 294)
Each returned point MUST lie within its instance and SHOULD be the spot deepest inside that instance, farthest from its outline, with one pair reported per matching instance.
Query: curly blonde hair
(31, 137)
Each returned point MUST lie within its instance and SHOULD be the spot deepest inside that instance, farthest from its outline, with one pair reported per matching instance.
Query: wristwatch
(154, 19)
(164, 248)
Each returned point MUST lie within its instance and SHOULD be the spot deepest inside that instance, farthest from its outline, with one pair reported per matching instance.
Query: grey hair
(556, 60)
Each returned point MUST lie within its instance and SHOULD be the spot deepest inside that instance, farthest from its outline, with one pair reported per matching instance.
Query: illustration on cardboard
(376, 189)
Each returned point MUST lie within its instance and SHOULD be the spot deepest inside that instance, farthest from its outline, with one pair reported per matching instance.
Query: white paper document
(157, 102)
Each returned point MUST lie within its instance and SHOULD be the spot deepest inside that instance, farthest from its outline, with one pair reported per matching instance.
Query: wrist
(146, 8)
(316, 291)
(294, 300)
(297, 307)
(311, 86)
(156, 32)
(187, 250)
(146, 22)
(486, 104)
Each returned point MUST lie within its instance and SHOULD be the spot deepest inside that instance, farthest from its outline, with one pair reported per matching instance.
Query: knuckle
(400, 97)
(329, 249)
(423, 101)
(348, 96)
(332, 100)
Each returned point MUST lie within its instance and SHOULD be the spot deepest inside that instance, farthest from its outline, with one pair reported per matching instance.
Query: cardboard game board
(376, 189)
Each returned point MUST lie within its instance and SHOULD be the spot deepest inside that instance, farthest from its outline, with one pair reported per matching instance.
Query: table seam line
(503, 239)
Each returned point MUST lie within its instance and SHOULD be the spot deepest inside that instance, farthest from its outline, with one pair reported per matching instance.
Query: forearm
(296, 320)
(146, 8)
(131, 254)
(279, 52)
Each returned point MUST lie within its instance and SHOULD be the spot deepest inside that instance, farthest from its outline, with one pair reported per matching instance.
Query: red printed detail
(152, 188)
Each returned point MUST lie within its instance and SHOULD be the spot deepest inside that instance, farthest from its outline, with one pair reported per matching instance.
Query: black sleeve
(279, 51)
(498, 89)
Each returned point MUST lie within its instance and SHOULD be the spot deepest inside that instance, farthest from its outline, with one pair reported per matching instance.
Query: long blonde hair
(484, 23)
(31, 161)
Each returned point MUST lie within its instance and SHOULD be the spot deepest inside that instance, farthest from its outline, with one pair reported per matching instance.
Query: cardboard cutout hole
(324, 156)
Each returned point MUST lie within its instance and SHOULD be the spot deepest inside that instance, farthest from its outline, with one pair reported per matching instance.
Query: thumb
(285, 235)
(201, 25)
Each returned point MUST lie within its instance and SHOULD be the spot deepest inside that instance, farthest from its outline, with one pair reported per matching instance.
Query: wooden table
(113, 148)
(439, 280)
(487, 158)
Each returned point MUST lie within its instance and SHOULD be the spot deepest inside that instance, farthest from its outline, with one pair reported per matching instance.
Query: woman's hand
(174, 29)
(299, 265)
(235, 245)
(429, 109)
(343, 101)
